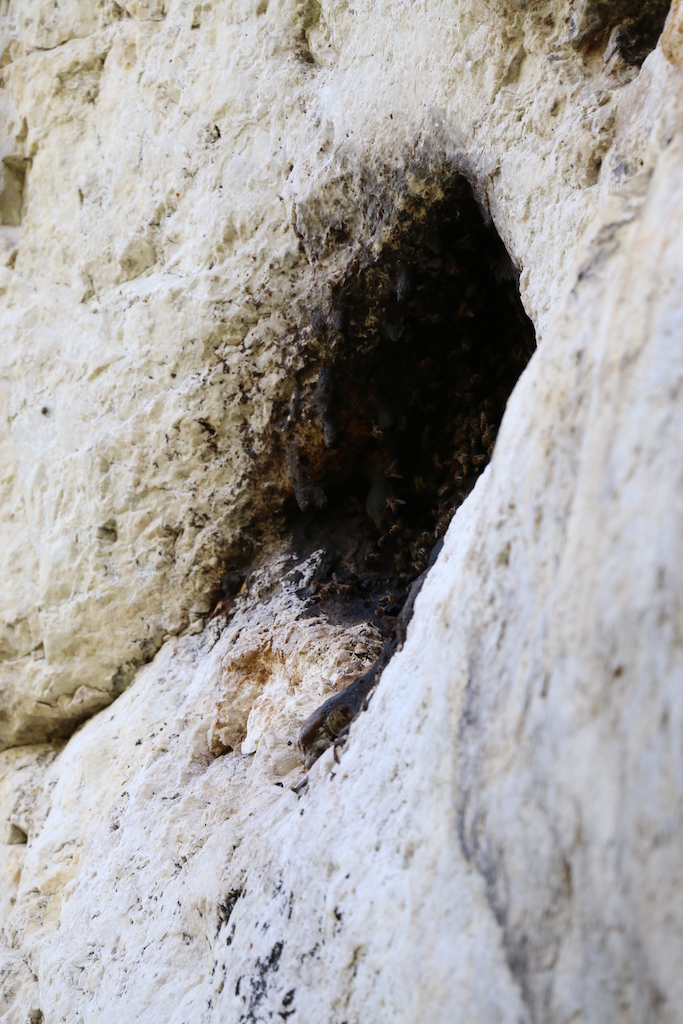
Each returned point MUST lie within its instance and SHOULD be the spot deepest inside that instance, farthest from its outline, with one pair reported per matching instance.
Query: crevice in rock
(395, 395)
(393, 415)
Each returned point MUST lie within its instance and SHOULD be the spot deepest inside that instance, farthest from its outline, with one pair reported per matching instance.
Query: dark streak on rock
(259, 982)
(225, 910)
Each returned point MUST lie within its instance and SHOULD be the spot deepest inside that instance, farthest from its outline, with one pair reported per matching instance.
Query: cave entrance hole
(397, 393)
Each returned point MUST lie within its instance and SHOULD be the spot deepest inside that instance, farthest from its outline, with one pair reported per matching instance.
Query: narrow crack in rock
(396, 393)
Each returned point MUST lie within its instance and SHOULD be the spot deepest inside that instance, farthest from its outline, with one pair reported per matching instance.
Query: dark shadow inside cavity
(630, 28)
(398, 390)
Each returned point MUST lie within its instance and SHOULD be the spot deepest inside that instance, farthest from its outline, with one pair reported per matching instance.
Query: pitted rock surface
(186, 190)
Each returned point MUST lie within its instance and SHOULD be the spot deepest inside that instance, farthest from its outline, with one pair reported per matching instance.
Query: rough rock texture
(184, 185)
(176, 181)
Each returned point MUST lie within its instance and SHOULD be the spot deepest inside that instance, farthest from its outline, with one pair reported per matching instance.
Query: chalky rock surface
(183, 185)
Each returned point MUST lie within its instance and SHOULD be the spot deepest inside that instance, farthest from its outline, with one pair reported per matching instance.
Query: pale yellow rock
(137, 256)
(502, 839)
(175, 837)
(185, 165)
(672, 36)
(261, 672)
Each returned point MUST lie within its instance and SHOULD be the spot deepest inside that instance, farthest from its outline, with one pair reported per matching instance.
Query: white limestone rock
(194, 872)
(187, 168)
(502, 838)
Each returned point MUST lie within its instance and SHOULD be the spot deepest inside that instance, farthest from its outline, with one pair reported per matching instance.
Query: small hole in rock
(107, 533)
(16, 836)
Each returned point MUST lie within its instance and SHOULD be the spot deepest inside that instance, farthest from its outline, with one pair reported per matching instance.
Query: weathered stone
(253, 169)
(501, 837)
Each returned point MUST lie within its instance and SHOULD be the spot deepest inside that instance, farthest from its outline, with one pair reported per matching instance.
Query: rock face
(186, 191)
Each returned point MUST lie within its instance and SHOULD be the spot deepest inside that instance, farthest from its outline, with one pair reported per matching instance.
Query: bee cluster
(398, 390)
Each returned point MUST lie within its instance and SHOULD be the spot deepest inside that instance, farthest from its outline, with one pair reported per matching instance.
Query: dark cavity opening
(630, 28)
(397, 393)
(394, 396)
